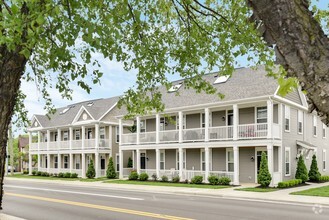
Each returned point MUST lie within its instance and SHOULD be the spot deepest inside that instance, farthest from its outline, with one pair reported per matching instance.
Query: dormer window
(221, 79)
(64, 111)
(175, 88)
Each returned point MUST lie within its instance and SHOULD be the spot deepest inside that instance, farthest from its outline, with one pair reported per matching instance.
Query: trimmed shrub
(130, 163)
(264, 177)
(164, 178)
(67, 175)
(143, 177)
(154, 177)
(74, 175)
(314, 174)
(91, 173)
(290, 183)
(44, 174)
(110, 172)
(301, 172)
(175, 179)
(197, 180)
(55, 175)
(61, 175)
(133, 175)
(34, 172)
(324, 178)
(51, 174)
(224, 180)
(25, 172)
(39, 173)
(213, 180)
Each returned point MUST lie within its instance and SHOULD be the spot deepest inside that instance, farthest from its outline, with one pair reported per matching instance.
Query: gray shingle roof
(244, 83)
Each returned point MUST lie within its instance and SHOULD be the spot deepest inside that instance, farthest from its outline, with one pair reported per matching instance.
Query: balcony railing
(220, 133)
(76, 145)
(34, 147)
(64, 145)
(52, 145)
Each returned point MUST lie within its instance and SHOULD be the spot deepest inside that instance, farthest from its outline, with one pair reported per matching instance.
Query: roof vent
(221, 79)
(90, 104)
(175, 88)
(64, 111)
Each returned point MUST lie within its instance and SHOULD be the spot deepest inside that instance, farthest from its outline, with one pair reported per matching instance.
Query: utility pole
(11, 147)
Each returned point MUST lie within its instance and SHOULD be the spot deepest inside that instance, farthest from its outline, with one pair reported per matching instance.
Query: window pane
(287, 168)
(230, 167)
(162, 166)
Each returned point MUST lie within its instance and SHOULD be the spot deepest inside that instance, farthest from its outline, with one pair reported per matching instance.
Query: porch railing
(221, 133)
(76, 144)
(89, 143)
(128, 139)
(34, 147)
(126, 172)
(169, 173)
(149, 172)
(222, 174)
(168, 136)
(77, 171)
(52, 145)
(147, 137)
(64, 145)
(251, 131)
(193, 134)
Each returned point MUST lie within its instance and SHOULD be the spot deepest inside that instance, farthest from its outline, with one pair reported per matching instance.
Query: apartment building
(197, 134)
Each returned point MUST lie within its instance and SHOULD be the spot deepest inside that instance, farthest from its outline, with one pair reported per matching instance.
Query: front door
(102, 163)
(143, 161)
(259, 157)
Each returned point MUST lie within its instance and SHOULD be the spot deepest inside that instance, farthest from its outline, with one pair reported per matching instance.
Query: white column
(83, 137)
(97, 165)
(235, 121)
(59, 162)
(48, 139)
(236, 165)
(206, 152)
(110, 137)
(120, 131)
(30, 164)
(206, 117)
(39, 140)
(270, 160)
(96, 136)
(280, 156)
(39, 161)
(48, 163)
(71, 162)
(83, 168)
(138, 129)
(180, 131)
(157, 129)
(138, 161)
(133, 155)
(120, 164)
(180, 156)
(157, 161)
(70, 137)
(269, 118)
(280, 119)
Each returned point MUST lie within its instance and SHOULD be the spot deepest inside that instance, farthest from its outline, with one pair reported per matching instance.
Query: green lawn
(152, 183)
(320, 191)
(257, 189)
(21, 176)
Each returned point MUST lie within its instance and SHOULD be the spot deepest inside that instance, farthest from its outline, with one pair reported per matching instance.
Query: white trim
(286, 101)
(110, 109)
(202, 150)
(34, 117)
(226, 156)
(287, 109)
(287, 149)
(324, 128)
(184, 159)
(302, 97)
(164, 159)
(300, 119)
(77, 116)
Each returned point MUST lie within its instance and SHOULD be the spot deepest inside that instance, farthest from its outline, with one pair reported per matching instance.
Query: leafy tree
(55, 42)
(264, 177)
(110, 172)
(91, 173)
(314, 174)
(301, 172)
(130, 163)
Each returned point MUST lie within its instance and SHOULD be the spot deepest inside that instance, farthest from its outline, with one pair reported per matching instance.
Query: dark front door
(103, 164)
(259, 157)
(143, 161)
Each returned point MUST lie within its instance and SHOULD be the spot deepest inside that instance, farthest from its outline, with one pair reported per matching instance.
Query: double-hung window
(314, 125)
(117, 134)
(230, 161)
(324, 131)
(203, 160)
(66, 162)
(300, 122)
(162, 159)
(102, 133)
(117, 161)
(184, 159)
(324, 160)
(287, 118)
(77, 134)
(55, 162)
(287, 161)
(65, 136)
(203, 120)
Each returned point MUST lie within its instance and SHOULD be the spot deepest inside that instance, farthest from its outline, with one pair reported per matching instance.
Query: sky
(114, 82)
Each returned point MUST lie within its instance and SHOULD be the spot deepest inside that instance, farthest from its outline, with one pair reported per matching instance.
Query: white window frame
(300, 122)
(55, 161)
(65, 135)
(163, 160)
(162, 125)
(287, 149)
(117, 134)
(77, 161)
(202, 120)
(202, 160)
(314, 128)
(324, 131)
(102, 133)
(66, 163)
(261, 108)
(228, 161)
(184, 159)
(287, 117)
(142, 126)
(117, 162)
(77, 134)
(324, 160)
(177, 122)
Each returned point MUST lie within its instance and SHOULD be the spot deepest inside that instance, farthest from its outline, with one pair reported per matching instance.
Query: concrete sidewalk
(282, 196)
(8, 217)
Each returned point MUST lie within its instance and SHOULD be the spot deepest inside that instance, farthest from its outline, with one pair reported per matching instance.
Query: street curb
(9, 217)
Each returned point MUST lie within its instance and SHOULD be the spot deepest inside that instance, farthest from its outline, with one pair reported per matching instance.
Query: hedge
(290, 183)
(324, 179)
(197, 180)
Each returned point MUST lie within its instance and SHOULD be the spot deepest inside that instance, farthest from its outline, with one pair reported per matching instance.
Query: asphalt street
(53, 201)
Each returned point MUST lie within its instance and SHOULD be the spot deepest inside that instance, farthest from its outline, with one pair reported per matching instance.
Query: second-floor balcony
(219, 133)
(87, 144)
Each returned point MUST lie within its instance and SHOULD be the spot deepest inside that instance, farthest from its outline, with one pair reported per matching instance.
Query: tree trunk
(301, 47)
(12, 66)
